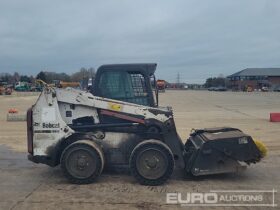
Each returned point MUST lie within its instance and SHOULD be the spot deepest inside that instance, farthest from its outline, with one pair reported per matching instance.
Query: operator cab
(127, 82)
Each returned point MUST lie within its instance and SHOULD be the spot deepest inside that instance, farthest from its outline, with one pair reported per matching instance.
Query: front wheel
(82, 162)
(151, 162)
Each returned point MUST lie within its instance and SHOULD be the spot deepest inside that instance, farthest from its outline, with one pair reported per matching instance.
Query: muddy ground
(25, 185)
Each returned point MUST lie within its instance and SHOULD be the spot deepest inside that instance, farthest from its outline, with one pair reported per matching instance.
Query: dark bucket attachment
(219, 150)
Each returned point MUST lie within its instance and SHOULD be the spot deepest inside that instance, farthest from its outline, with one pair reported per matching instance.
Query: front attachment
(219, 150)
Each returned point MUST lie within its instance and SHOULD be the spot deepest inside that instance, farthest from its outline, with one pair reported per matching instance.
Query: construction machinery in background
(161, 85)
(57, 83)
(5, 89)
(22, 87)
(119, 123)
(62, 84)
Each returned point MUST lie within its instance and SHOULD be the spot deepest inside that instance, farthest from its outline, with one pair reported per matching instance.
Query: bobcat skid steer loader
(118, 123)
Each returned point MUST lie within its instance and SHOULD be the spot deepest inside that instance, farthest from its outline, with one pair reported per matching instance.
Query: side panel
(48, 126)
(70, 112)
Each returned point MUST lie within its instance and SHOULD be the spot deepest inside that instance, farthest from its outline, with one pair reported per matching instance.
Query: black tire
(82, 162)
(151, 162)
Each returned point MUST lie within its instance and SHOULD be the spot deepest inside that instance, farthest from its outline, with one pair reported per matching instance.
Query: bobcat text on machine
(119, 123)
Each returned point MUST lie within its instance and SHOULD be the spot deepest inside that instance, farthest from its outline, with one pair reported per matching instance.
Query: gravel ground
(25, 185)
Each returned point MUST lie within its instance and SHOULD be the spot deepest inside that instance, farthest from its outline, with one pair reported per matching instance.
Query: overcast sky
(197, 39)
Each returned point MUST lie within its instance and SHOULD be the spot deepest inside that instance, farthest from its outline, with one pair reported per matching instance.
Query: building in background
(255, 78)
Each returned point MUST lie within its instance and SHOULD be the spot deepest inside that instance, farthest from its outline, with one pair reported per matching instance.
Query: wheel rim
(152, 163)
(81, 163)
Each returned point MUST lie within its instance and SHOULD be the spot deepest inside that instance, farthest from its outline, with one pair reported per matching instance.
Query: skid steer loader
(119, 122)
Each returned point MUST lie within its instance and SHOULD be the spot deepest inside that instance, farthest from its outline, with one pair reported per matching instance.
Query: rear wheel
(82, 162)
(151, 162)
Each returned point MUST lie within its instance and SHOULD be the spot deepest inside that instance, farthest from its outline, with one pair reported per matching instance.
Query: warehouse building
(255, 79)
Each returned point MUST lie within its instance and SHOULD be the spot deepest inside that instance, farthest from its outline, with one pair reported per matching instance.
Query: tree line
(216, 82)
(49, 77)
(82, 76)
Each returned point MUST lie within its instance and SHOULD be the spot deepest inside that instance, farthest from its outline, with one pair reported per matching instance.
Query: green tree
(42, 76)
(215, 82)
(25, 78)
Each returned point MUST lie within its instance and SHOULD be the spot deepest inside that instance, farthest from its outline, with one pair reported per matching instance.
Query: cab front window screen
(125, 86)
